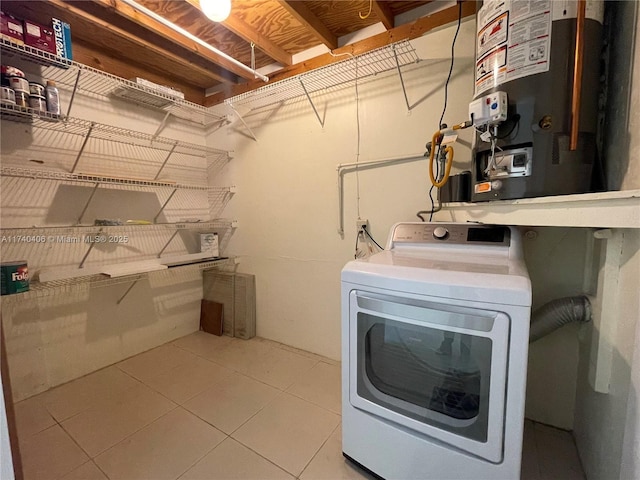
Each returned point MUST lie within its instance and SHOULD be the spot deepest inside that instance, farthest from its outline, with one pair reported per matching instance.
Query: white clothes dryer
(434, 353)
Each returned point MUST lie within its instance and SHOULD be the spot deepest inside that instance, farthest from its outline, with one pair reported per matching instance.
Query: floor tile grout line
(313, 403)
(100, 469)
(322, 359)
(206, 453)
(120, 441)
(321, 446)
(265, 406)
(267, 459)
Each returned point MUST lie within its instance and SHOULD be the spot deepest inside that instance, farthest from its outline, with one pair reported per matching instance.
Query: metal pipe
(577, 75)
(190, 36)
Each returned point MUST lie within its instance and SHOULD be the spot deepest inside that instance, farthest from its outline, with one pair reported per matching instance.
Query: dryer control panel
(451, 233)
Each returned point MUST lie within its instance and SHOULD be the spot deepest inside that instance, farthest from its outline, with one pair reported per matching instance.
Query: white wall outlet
(362, 224)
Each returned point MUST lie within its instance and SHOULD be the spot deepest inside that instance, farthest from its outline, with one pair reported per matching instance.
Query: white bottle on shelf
(53, 98)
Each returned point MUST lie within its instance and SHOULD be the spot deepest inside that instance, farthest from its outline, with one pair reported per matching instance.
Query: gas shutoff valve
(489, 110)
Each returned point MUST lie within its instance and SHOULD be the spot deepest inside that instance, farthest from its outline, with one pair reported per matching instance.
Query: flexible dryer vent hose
(557, 313)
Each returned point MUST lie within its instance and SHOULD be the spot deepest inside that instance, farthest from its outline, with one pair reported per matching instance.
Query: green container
(14, 277)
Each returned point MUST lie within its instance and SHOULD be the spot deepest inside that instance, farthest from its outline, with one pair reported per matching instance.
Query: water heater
(535, 107)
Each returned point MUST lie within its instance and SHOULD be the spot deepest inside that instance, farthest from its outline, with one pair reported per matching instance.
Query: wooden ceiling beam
(383, 12)
(307, 18)
(74, 12)
(250, 35)
(142, 20)
(404, 32)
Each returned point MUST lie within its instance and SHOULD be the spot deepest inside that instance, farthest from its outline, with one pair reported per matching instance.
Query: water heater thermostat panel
(489, 110)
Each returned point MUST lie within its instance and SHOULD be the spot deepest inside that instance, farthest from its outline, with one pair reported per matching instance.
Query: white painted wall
(287, 198)
(58, 338)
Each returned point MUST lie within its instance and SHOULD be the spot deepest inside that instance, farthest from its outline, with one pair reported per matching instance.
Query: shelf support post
(93, 244)
(133, 284)
(73, 94)
(93, 192)
(163, 123)
(155, 219)
(404, 89)
(166, 160)
(244, 123)
(84, 144)
(311, 102)
(168, 242)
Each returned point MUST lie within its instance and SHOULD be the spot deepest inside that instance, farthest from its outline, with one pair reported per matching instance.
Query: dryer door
(435, 368)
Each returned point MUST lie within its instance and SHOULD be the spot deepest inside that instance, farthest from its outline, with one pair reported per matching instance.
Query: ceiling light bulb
(216, 10)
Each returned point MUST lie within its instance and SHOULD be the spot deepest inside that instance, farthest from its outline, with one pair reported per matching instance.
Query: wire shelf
(79, 230)
(105, 84)
(44, 289)
(336, 74)
(20, 172)
(77, 126)
(34, 55)
(16, 113)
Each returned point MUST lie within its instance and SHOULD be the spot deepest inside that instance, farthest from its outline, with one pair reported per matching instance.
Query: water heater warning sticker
(513, 41)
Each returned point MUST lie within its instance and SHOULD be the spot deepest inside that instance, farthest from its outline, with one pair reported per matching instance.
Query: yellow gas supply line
(448, 150)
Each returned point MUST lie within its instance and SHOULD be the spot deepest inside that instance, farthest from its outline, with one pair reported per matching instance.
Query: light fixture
(216, 10)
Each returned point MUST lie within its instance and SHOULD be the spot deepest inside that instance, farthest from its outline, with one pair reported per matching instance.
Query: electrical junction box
(489, 110)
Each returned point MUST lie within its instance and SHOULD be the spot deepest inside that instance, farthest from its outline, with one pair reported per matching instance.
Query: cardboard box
(62, 33)
(39, 36)
(209, 244)
(11, 28)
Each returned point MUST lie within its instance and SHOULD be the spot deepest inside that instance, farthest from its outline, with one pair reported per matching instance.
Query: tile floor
(205, 408)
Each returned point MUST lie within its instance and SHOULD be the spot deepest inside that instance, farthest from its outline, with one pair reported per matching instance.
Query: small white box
(209, 244)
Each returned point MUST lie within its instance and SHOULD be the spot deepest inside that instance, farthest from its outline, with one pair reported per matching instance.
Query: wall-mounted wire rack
(79, 230)
(217, 196)
(56, 287)
(376, 61)
(11, 171)
(95, 130)
(82, 78)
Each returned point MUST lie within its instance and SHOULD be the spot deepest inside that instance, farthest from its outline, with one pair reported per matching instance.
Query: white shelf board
(620, 209)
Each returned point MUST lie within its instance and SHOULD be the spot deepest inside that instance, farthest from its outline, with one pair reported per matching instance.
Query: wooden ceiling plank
(250, 35)
(133, 15)
(76, 12)
(384, 13)
(306, 17)
(404, 32)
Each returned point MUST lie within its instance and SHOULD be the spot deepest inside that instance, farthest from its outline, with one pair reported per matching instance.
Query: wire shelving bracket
(79, 77)
(383, 59)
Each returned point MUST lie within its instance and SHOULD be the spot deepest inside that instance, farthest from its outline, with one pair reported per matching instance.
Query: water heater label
(513, 41)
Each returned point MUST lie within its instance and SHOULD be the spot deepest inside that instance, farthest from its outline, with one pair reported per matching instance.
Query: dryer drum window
(438, 377)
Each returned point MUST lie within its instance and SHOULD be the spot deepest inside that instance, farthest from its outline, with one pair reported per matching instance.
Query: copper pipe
(577, 75)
